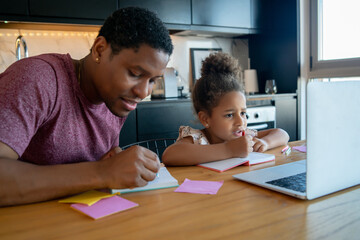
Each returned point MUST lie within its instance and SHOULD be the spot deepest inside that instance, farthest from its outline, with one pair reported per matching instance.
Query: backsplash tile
(78, 44)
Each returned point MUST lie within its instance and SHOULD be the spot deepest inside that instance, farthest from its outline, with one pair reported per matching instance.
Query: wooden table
(238, 211)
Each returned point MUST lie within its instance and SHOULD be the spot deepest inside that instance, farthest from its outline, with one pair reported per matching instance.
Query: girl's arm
(185, 152)
(271, 138)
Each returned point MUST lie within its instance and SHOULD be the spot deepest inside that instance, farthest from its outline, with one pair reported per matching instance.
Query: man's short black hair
(130, 27)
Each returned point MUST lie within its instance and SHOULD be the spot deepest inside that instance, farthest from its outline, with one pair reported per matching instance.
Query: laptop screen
(332, 134)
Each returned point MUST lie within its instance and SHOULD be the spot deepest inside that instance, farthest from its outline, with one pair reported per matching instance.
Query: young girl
(220, 104)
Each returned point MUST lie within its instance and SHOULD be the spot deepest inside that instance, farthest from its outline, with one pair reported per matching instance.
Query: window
(335, 39)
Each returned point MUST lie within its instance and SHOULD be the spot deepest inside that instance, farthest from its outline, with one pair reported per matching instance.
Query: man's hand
(133, 167)
(23, 182)
(111, 153)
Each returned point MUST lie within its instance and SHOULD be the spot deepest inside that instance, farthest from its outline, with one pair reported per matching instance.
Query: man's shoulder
(53, 60)
(41, 64)
(52, 57)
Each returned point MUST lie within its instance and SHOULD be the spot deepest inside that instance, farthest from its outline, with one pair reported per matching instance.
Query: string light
(50, 34)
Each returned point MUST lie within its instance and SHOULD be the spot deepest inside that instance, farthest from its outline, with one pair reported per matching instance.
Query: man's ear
(99, 46)
(204, 119)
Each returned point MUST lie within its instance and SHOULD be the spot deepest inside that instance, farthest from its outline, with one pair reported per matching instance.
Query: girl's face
(228, 119)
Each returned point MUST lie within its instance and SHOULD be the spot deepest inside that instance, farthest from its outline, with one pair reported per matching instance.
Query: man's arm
(22, 182)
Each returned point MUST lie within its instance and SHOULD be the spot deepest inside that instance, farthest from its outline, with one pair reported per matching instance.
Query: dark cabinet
(225, 13)
(75, 9)
(169, 11)
(92, 12)
(158, 119)
(227, 16)
(128, 133)
(18, 8)
(274, 52)
(163, 120)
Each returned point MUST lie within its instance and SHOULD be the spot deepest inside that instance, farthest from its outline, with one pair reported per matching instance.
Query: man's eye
(134, 74)
(229, 115)
(243, 113)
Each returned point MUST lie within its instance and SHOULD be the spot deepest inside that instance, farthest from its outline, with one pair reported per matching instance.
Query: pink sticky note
(202, 187)
(300, 148)
(105, 207)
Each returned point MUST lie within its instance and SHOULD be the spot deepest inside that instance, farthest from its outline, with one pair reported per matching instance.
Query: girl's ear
(204, 119)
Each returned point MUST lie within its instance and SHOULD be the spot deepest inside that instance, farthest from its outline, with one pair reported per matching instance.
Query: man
(60, 118)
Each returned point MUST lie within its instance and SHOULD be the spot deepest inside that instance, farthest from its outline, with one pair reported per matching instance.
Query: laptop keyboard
(296, 182)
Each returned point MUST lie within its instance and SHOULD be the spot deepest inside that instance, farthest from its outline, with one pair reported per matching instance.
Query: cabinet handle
(259, 127)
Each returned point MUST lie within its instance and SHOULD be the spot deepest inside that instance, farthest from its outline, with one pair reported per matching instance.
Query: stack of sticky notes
(200, 187)
(97, 204)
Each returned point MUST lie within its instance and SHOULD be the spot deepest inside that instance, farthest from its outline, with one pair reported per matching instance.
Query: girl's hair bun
(219, 64)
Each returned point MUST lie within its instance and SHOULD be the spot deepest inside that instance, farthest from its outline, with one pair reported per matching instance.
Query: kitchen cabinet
(227, 17)
(11, 8)
(73, 9)
(158, 119)
(128, 133)
(92, 12)
(225, 13)
(177, 12)
(274, 52)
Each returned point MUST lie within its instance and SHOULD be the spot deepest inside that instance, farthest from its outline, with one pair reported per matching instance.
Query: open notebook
(252, 159)
(332, 141)
(163, 180)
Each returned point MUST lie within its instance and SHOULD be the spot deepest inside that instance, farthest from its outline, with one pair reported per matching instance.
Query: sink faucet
(20, 40)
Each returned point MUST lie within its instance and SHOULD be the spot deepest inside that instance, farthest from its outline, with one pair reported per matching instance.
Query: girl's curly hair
(220, 74)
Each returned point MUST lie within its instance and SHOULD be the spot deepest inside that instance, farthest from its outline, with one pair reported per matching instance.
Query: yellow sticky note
(88, 198)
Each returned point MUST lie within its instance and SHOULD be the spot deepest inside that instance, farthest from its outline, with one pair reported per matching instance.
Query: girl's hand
(240, 147)
(260, 145)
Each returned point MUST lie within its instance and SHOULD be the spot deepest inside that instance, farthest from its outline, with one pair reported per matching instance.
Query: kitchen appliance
(261, 118)
(166, 87)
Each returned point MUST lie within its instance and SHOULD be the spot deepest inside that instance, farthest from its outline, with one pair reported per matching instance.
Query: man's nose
(143, 89)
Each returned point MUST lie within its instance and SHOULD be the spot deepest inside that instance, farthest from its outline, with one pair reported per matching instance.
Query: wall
(181, 59)
(78, 44)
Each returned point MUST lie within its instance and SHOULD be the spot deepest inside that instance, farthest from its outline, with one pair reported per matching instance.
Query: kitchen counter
(267, 99)
(272, 96)
(249, 98)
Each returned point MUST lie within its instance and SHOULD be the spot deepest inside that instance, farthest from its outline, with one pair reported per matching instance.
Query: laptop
(333, 146)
